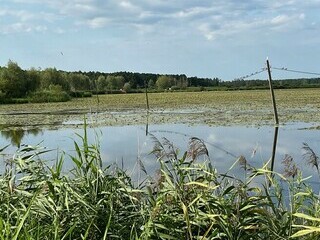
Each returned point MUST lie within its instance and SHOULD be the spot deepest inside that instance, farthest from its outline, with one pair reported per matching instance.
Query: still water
(125, 145)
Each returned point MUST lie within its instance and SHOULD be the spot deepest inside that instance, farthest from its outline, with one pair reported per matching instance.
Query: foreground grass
(216, 108)
(187, 199)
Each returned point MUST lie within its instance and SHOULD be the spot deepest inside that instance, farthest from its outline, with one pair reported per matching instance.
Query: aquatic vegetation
(212, 108)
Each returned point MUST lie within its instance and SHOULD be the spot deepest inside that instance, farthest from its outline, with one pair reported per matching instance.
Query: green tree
(51, 76)
(102, 83)
(33, 80)
(127, 87)
(13, 80)
(151, 84)
(182, 82)
(78, 82)
(164, 82)
(115, 82)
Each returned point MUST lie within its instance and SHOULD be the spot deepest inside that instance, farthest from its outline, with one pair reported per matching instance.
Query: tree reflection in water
(16, 135)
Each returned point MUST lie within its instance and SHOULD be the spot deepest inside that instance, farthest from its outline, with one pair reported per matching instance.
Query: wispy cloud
(21, 15)
(97, 22)
(21, 27)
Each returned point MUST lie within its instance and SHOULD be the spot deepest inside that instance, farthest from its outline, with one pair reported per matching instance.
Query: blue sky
(216, 38)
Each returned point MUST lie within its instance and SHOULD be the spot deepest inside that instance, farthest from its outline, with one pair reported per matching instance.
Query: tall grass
(186, 199)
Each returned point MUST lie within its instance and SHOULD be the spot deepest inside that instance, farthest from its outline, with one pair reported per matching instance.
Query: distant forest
(49, 85)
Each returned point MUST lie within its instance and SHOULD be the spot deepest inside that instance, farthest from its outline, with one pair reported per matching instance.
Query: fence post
(146, 90)
(272, 95)
(276, 128)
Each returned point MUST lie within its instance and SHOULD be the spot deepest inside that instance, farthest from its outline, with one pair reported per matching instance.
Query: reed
(186, 199)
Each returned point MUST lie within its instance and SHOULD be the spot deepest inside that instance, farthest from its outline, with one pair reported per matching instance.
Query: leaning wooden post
(274, 146)
(272, 94)
(276, 129)
(147, 99)
(147, 124)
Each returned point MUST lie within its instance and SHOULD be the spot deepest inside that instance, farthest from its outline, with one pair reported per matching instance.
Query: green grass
(186, 199)
(214, 108)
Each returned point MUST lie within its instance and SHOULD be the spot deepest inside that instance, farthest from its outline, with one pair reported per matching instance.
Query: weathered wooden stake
(274, 146)
(147, 124)
(147, 99)
(276, 128)
(272, 95)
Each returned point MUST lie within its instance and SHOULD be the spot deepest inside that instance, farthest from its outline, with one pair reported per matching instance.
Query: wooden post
(147, 99)
(147, 124)
(272, 95)
(276, 128)
(274, 146)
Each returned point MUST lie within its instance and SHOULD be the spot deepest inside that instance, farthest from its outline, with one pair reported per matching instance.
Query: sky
(227, 39)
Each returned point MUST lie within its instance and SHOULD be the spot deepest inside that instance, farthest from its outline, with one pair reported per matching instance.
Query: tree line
(50, 84)
(278, 84)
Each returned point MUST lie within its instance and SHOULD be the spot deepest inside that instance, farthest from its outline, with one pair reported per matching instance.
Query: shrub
(8, 100)
(2, 97)
(49, 96)
(80, 94)
(20, 100)
(87, 94)
(175, 88)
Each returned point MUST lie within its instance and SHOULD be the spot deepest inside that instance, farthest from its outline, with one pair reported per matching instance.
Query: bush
(80, 94)
(8, 100)
(194, 89)
(175, 88)
(2, 97)
(87, 94)
(114, 92)
(142, 90)
(49, 96)
(19, 100)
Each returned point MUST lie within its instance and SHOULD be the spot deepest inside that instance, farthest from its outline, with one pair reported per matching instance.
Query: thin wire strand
(251, 74)
(295, 71)
(187, 135)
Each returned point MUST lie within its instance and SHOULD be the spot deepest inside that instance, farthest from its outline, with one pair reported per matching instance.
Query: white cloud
(192, 12)
(21, 27)
(98, 22)
(281, 19)
(224, 25)
(84, 8)
(302, 16)
(286, 22)
(22, 15)
(59, 30)
(282, 4)
(128, 6)
(207, 31)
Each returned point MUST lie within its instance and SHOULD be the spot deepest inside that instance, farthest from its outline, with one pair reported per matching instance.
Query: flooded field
(210, 108)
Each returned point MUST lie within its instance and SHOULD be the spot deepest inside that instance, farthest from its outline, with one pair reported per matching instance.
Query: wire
(295, 71)
(276, 68)
(250, 75)
(187, 135)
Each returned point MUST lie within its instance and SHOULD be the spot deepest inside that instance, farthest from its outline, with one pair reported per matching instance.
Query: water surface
(129, 145)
